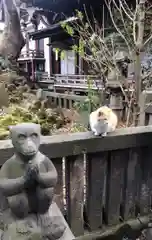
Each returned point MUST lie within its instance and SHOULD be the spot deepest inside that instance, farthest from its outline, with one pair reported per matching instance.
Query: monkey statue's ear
(38, 127)
(10, 128)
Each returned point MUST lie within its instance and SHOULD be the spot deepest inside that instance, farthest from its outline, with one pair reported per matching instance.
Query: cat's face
(102, 117)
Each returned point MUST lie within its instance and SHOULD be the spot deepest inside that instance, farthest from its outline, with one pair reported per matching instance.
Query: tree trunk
(12, 40)
(139, 48)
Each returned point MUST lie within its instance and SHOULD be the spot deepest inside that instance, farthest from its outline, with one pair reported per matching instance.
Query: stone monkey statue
(28, 178)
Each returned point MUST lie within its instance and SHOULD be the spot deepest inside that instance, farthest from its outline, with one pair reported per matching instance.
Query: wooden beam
(76, 143)
(127, 230)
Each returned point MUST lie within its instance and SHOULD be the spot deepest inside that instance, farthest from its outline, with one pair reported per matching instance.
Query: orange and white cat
(102, 121)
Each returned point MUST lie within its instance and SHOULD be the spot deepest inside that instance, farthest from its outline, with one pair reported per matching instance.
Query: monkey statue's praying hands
(27, 181)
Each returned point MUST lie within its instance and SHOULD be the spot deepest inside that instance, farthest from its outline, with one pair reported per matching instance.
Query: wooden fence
(67, 100)
(63, 100)
(115, 171)
(79, 82)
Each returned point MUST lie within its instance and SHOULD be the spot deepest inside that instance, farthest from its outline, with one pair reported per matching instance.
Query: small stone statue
(27, 182)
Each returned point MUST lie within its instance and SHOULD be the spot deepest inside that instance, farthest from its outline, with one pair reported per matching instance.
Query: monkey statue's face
(26, 138)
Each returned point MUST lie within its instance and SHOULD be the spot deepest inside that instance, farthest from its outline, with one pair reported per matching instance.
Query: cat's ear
(100, 114)
(109, 110)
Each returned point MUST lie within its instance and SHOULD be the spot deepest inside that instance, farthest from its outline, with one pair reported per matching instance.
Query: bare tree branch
(115, 25)
(128, 35)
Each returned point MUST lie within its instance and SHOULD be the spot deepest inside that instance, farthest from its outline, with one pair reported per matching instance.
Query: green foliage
(91, 102)
(24, 107)
(81, 48)
(75, 48)
(17, 114)
(92, 48)
(59, 51)
(77, 127)
(67, 28)
(62, 56)
(79, 15)
(35, 111)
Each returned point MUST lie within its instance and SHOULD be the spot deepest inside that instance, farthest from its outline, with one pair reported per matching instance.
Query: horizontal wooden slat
(80, 82)
(65, 96)
(130, 228)
(31, 53)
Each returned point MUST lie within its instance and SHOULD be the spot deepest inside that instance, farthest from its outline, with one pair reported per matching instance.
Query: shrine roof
(54, 31)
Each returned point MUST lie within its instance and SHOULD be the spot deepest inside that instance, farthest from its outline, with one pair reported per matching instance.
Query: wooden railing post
(95, 187)
(115, 185)
(59, 199)
(74, 175)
